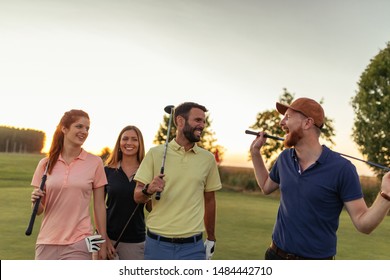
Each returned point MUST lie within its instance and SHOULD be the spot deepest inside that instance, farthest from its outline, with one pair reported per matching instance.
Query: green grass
(244, 221)
(15, 178)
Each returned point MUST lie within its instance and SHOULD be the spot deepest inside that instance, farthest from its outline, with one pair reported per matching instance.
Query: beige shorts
(130, 251)
(75, 251)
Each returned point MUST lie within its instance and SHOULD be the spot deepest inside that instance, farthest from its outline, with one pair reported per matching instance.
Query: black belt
(179, 240)
(288, 256)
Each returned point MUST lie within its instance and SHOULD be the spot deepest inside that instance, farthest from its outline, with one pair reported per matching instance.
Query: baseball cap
(309, 107)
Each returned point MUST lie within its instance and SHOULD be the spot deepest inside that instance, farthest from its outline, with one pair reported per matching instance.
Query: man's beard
(188, 132)
(293, 138)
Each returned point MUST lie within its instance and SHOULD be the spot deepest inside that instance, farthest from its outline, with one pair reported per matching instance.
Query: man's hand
(210, 248)
(258, 143)
(93, 241)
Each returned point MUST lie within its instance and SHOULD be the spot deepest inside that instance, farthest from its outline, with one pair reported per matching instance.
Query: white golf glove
(210, 248)
(93, 241)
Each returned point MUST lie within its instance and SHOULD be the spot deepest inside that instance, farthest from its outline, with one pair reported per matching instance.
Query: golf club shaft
(158, 194)
(36, 205)
(124, 228)
(266, 135)
(368, 162)
(365, 161)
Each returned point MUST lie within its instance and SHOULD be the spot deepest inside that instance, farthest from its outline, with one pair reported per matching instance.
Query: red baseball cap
(309, 107)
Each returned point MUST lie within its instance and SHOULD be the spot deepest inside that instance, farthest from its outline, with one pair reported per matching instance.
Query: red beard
(293, 137)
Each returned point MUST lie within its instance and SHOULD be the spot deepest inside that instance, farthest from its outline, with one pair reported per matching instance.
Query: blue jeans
(160, 250)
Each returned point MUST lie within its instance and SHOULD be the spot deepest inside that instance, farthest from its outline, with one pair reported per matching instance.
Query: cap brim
(281, 108)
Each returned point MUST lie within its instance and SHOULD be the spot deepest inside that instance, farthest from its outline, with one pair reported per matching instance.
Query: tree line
(20, 140)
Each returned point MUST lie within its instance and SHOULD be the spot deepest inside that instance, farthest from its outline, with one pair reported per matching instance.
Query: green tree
(269, 121)
(371, 104)
(208, 140)
(21, 140)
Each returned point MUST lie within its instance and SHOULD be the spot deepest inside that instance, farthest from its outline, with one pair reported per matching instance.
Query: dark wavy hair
(184, 109)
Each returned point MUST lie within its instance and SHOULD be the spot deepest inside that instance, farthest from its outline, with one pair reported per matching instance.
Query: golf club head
(168, 109)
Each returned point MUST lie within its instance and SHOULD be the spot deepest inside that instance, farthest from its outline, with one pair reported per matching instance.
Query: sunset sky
(124, 61)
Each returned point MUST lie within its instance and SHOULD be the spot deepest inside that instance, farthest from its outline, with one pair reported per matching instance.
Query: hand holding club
(344, 155)
(36, 199)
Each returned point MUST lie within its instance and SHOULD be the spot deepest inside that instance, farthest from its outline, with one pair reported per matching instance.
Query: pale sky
(124, 61)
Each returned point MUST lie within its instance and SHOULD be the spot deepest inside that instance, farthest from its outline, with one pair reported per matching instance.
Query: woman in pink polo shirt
(73, 176)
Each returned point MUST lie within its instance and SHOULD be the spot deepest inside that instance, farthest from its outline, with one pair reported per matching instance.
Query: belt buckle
(177, 240)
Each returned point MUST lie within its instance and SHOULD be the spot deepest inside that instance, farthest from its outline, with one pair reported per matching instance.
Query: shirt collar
(324, 154)
(82, 155)
(176, 147)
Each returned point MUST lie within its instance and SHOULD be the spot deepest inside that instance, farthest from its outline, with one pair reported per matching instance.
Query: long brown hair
(57, 143)
(116, 155)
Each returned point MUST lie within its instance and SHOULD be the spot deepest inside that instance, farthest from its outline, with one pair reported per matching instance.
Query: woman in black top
(120, 169)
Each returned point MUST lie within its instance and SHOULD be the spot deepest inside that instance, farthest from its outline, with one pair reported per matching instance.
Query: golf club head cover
(93, 242)
(210, 248)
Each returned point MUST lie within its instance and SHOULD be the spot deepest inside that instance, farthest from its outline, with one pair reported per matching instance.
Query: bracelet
(385, 196)
(145, 191)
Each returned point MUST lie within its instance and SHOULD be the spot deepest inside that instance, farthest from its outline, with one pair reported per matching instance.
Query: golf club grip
(36, 207)
(251, 132)
(265, 135)
(33, 215)
(158, 194)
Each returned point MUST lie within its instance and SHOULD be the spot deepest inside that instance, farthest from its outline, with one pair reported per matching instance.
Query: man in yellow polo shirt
(187, 206)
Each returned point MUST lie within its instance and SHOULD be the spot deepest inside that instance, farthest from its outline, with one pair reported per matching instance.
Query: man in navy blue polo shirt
(315, 184)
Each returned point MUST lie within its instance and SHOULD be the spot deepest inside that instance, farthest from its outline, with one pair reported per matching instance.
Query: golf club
(266, 135)
(344, 155)
(37, 202)
(124, 228)
(168, 109)
(368, 162)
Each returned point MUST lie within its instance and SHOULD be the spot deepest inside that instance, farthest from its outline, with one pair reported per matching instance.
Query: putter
(168, 109)
(344, 155)
(37, 202)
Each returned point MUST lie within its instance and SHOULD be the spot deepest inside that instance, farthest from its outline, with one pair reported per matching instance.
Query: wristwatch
(145, 191)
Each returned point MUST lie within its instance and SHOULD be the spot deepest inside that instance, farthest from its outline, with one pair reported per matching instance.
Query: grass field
(244, 222)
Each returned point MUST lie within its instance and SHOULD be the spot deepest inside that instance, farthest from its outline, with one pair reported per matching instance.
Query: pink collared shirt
(68, 195)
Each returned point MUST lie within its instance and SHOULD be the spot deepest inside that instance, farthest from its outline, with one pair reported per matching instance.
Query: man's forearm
(210, 215)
